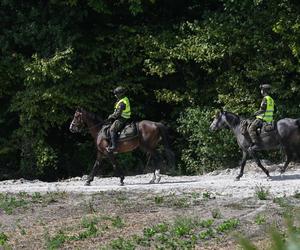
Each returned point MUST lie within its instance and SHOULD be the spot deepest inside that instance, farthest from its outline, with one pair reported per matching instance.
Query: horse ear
(223, 110)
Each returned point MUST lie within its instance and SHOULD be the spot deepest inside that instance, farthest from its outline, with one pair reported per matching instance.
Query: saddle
(130, 131)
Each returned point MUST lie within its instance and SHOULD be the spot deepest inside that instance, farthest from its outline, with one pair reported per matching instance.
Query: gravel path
(220, 182)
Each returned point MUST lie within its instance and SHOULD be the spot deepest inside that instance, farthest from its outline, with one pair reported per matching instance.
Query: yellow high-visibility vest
(126, 112)
(268, 115)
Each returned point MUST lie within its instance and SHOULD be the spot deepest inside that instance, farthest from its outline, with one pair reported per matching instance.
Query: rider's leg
(113, 131)
(257, 123)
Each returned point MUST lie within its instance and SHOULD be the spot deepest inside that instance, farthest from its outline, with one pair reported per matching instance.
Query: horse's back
(147, 126)
(289, 131)
(288, 127)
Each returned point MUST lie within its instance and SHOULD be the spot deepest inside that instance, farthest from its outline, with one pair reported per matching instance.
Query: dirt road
(221, 182)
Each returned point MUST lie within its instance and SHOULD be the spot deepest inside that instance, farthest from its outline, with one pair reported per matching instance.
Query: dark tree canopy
(180, 60)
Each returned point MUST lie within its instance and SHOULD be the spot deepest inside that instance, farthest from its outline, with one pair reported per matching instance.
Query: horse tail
(166, 141)
(298, 123)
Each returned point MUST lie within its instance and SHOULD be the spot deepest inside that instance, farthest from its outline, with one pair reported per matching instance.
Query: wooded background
(180, 61)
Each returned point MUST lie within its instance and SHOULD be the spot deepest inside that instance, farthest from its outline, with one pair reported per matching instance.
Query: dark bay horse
(287, 138)
(150, 134)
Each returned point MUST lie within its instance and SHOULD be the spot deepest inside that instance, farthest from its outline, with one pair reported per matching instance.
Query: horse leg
(118, 171)
(243, 163)
(157, 159)
(151, 158)
(260, 165)
(288, 158)
(157, 174)
(93, 172)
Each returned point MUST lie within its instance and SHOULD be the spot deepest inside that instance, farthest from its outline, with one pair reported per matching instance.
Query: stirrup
(110, 149)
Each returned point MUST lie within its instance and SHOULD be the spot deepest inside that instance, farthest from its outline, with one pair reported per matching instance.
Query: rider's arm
(263, 107)
(118, 111)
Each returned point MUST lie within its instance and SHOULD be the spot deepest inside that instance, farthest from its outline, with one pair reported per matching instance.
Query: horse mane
(94, 117)
(234, 118)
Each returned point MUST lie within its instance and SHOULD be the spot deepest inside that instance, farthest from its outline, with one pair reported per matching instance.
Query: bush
(204, 151)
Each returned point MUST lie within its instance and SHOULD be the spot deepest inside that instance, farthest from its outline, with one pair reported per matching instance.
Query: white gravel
(219, 182)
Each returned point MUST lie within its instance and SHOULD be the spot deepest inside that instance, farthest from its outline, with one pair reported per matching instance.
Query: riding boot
(113, 139)
(255, 144)
(254, 147)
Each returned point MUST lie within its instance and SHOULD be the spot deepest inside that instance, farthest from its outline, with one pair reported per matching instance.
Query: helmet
(119, 91)
(265, 86)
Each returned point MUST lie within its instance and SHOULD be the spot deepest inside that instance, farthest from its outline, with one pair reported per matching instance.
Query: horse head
(84, 118)
(77, 123)
(219, 121)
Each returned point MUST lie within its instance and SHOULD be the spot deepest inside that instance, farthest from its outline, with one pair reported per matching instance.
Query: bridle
(80, 121)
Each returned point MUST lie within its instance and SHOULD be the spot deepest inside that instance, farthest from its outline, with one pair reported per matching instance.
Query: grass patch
(216, 213)
(260, 219)
(172, 200)
(10, 202)
(207, 234)
(3, 239)
(183, 233)
(228, 225)
(262, 193)
(56, 241)
(208, 195)
(279, 240)
(297, 195)
(88, 229)
(116, 222)
(158, 200)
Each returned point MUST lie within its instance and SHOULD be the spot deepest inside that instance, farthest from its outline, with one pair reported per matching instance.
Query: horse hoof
(269, 178)
(158, 179)
(151, 182)
(237, 178)
(88, 183)
(122, 184)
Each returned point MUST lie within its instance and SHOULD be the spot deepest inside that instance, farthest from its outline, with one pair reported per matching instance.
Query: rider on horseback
(120, 116)
(264, 114)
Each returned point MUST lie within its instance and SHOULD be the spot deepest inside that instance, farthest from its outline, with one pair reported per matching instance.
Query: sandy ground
(52, 210)
(221, 182)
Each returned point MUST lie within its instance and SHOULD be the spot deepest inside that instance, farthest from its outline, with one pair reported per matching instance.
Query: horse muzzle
(73, 128)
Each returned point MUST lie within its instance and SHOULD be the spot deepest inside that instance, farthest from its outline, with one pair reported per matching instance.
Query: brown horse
(149, 135)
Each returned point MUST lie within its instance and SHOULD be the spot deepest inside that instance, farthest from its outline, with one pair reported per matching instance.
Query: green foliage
(228, 225)
(90, 229)
(182, 233)
(121, 243)
(279, 240)
(178, 60)
(9, 203)
(204, 150)
(117, 222)
(3, 238)
(262, 193)
(260, 219)
(57, 241)
(158, 200)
